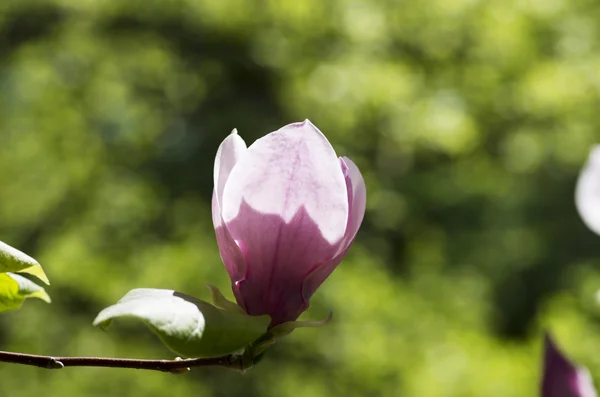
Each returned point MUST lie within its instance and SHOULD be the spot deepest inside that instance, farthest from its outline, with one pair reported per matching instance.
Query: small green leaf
(14, 289)
(188, 326)
(13, 260)
(219, 300)
(286, 328)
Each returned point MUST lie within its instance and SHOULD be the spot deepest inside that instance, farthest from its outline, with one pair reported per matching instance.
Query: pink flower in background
(285, 211)
(561, 378)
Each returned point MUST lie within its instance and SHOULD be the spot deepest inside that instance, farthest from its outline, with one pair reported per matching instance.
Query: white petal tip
(301, 124)
(594, 155)
(309, 123)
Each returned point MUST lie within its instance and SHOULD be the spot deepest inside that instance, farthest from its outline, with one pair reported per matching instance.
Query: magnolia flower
(587, 192)
(285, 211)
(561, 378)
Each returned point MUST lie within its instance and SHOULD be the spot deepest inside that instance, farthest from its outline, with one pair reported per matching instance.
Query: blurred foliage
(470, 120)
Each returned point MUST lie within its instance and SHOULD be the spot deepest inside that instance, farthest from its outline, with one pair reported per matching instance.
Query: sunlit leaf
(14, 289)
(13, 260)
(188, 326)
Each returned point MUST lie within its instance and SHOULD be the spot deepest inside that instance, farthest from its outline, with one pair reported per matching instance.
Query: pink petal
(229, 153)
(279, 255)
(231, 255)
(286, 205)
(561, 378)
(357, 198)
(292, 168)
(587, 192)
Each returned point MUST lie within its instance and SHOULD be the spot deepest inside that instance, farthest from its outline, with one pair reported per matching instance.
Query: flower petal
(289, 169)
(279, 255)
(285, 205)
(587, 192)
(228, 248)
(230, 151)
(228, 154)
(357, 198)
(561, 378)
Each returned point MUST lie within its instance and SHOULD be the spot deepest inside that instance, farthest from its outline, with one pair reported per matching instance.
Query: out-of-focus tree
(470, 121)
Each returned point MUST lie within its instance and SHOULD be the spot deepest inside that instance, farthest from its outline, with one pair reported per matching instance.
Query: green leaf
(287, 328)
(13, 260)
(219, 300)
(188, 326)
(14, 289)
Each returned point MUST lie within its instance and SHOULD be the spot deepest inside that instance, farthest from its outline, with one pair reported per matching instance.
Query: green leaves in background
(470, 119)
(188, 326)
(14, 289)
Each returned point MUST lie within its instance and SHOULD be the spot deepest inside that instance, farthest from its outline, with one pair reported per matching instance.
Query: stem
(234, 361)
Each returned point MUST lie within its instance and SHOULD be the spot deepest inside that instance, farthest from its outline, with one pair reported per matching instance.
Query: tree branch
(234, 361)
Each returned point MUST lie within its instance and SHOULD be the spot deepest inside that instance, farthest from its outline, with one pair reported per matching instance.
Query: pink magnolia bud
(561, 378)
(285, 211)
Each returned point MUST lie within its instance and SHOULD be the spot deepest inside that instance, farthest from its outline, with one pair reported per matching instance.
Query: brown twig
(233, 361)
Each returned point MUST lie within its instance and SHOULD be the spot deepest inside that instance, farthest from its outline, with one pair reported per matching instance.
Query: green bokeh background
(470, 120)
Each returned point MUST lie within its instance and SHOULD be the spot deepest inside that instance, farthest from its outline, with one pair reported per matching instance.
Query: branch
(234, 361)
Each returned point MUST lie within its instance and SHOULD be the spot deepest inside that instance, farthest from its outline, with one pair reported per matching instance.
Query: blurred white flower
(587, 192)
